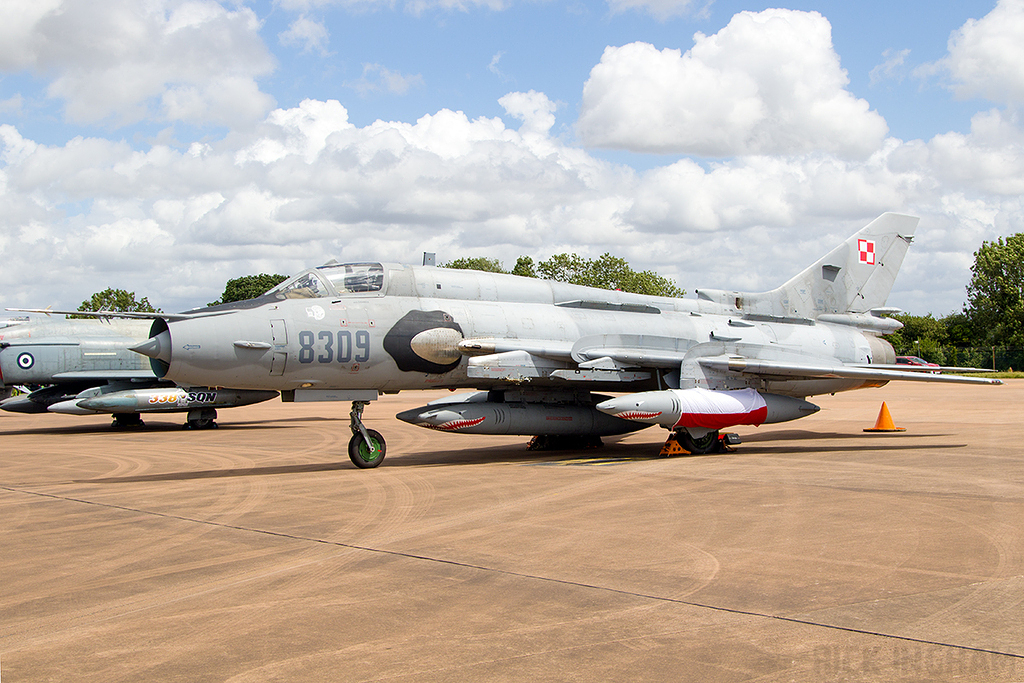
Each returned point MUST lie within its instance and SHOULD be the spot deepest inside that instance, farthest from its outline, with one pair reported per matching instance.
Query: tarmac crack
(523, 575)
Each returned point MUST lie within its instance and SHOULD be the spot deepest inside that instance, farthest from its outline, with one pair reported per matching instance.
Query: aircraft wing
(825, 370)
(924, 368)
(622, 358)
(97, 375)
(121, 314)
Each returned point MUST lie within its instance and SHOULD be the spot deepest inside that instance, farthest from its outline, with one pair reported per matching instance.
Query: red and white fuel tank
(706, 409)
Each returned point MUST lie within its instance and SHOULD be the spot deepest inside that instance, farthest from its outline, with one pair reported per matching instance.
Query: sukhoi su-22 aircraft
(540, 353)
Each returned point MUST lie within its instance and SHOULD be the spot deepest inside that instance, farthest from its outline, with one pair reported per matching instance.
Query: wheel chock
(672, 447)
(725, 443)
(884, 422)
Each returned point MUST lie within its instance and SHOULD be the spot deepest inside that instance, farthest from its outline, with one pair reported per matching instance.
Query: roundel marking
(26, 361)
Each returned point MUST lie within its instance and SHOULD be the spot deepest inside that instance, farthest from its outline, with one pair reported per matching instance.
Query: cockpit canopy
(336, 279)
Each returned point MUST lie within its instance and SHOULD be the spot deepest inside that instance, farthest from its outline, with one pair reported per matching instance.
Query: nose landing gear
(366, 448)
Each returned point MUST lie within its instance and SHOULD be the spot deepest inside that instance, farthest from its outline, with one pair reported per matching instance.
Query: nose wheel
(366, 448)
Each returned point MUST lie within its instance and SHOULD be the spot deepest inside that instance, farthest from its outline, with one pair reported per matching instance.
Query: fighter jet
(539, 353)
(84, 367)
(11, 322)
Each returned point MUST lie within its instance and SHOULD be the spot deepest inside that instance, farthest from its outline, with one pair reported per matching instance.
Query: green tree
(524, 267)
(118, 300)
(958, 330)
(248, 287)
(995, 294)
(606, 272)
(916, 328)
(488, 265)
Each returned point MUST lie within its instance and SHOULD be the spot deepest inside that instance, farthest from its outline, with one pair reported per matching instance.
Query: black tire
(564, 442)
(360, 454)
(202, 423)
(128, 421)
(705, 444)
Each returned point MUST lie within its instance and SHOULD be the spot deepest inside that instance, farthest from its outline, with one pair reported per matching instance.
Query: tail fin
(855, 277)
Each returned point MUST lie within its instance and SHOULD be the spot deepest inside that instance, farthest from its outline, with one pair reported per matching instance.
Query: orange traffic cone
(884, 422)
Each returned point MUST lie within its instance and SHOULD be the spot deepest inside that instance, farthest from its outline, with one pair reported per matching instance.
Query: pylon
(884, 422)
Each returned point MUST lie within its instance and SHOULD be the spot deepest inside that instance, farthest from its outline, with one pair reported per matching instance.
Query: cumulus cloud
(768, 83)
(986, 56)
(307, 184)
(378, 78)
(310, 35)
(420, 6)
(189, 60)
(304, 186)
(989, 160)
(412, 6)
(11, 105)
(493, 67)
(18, 21)
(533, 108)
(891, 67)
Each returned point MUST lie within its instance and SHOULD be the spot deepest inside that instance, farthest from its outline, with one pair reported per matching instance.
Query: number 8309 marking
(340, 346)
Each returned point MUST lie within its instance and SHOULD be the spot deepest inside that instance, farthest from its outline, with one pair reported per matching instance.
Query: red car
(914, 360)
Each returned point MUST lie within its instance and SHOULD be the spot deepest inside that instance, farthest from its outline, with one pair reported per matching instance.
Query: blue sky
(551, 47)
(545, 46)
(167, 146)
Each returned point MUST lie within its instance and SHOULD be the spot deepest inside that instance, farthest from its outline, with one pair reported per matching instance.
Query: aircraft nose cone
(612, 406)
(70, 407)
(427, 416)
(415, 416)
(438, 345)
(158, 347)
(441, 419)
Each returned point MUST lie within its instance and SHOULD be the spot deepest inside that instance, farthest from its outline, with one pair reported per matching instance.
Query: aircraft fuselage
(401, 342)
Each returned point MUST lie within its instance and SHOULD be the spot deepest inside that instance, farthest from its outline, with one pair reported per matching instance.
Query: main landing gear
(699, 445)
(681, 442)
(366, 448)
(202, 418)
(127, 421)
